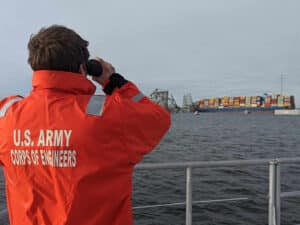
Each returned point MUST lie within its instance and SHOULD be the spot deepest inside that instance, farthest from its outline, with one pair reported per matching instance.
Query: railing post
(189, 200)
(274, 193)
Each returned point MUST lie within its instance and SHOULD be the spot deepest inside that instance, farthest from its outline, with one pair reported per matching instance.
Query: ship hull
(241, 109)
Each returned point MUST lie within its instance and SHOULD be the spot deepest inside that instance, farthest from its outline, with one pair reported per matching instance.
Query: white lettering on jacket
(53, 138)
(41, 149)
(22, 138)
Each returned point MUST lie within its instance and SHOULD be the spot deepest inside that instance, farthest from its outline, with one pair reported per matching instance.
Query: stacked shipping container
(255, 102)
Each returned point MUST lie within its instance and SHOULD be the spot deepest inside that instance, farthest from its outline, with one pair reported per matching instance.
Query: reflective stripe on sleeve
(8, 104)
(95, 105)
(138, 97)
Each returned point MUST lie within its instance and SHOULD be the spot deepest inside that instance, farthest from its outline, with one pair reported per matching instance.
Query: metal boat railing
(274, 195)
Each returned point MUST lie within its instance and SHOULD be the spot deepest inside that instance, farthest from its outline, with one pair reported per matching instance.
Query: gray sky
(208, 48)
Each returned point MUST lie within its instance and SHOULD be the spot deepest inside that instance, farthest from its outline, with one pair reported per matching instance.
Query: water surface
(211, 137)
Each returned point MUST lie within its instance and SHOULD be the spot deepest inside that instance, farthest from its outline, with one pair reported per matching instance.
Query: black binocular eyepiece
(94, 68)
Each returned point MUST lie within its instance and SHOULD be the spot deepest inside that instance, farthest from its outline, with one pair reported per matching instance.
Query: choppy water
(219, 137)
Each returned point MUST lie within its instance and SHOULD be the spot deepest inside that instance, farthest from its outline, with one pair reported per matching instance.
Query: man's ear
(82, 70)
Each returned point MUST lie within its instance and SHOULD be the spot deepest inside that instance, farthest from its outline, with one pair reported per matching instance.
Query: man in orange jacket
(68, 155)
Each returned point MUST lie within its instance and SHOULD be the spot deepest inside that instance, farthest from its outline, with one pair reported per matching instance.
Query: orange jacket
(68, 155)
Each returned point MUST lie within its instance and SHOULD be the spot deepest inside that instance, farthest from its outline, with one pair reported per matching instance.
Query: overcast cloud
(207, 48)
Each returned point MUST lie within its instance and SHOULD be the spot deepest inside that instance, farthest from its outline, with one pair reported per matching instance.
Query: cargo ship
(246, 104)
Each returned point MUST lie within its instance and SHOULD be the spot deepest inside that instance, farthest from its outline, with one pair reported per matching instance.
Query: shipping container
(242, 100)
(253, 100)
(201, 103)
(252, 103)
(248, 100)
(231, 101)
(236, 101)
(287, 102)
(226, 101)
(274, 100)
(287, 99)
(280, 100)
(268, 99)
(221, 100)
(217, 102)
(258, 100)
(206, 102)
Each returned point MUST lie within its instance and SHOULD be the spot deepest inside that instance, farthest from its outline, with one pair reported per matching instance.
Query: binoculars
(94, 68)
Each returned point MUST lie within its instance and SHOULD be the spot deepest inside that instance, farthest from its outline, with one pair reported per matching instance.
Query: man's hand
(108, 70)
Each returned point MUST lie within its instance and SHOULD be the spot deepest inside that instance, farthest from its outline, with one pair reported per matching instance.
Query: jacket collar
(61, 80)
